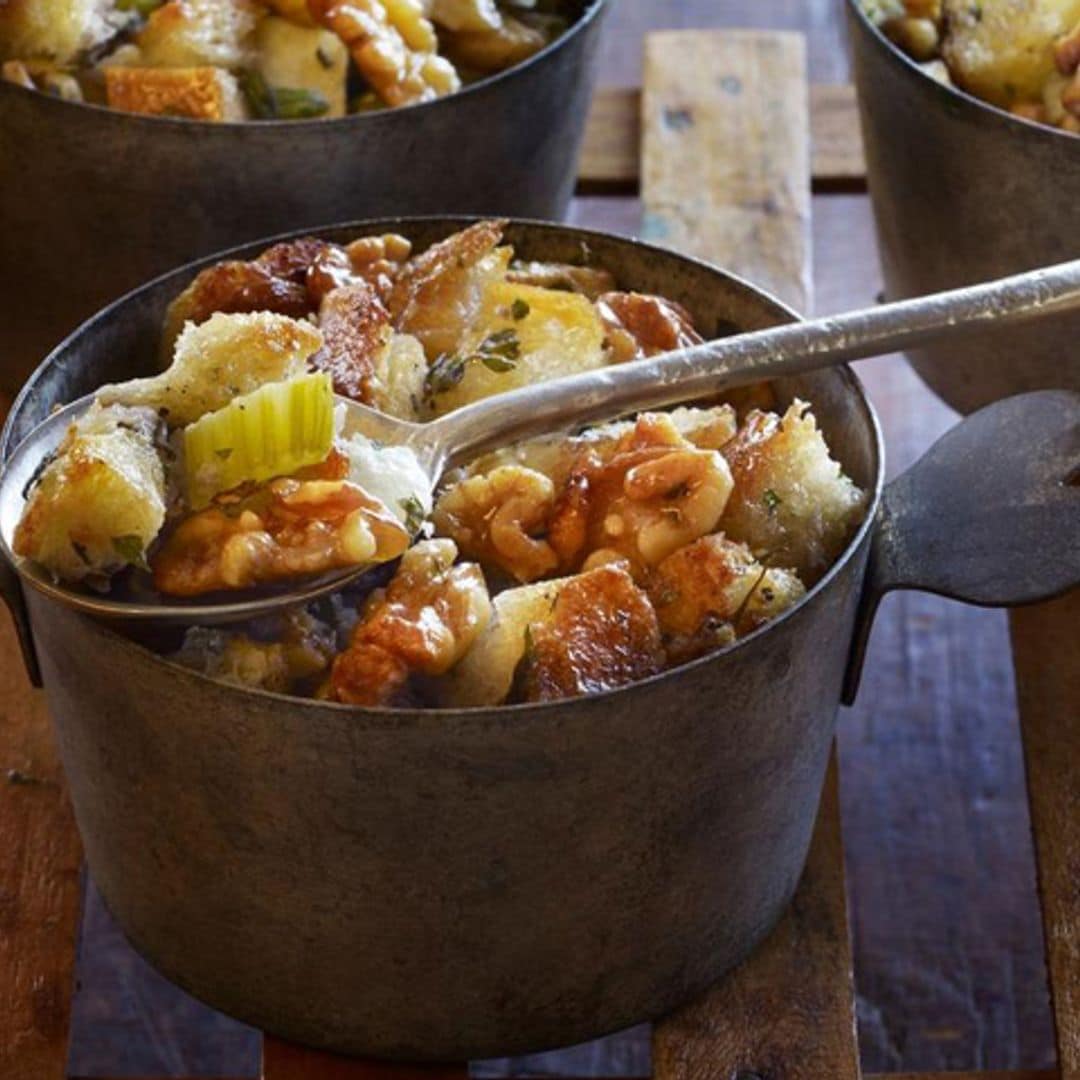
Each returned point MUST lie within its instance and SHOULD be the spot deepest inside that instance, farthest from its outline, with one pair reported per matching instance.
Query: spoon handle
(790, 349)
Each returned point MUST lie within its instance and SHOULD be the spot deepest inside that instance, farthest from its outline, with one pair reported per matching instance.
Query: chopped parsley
(414, 514)
(498, 352)
(280, 102)
(519, 310)
(771, 500)
(443, 375)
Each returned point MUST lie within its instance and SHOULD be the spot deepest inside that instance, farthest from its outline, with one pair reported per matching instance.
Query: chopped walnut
(494, 517)
(284, 529)
(638, 325)
(393, 45)
(654, 494)
(422, 623)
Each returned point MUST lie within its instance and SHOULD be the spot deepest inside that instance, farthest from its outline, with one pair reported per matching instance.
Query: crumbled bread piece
(56, 29)
(198, 33)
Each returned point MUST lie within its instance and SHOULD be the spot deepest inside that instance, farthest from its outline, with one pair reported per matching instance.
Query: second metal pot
(964, 192)
(94, 202)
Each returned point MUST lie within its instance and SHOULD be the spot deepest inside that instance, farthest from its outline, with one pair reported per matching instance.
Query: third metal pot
(964, 192)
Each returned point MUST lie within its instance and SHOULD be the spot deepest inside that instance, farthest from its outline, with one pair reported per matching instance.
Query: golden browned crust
(356, 328)
(602, 634)
(204, 93)
(442, 263)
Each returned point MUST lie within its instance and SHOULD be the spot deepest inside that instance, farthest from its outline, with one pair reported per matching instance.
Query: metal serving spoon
(603, 394)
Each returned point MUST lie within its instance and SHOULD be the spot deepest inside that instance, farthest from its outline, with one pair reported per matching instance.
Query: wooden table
(944, 920)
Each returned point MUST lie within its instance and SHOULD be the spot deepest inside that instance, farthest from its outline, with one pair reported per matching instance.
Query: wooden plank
(610, 156)
(1046, 650)
(284, 1061)
(725, 170)
(788, 1013)
(725, 174)
(40, 857)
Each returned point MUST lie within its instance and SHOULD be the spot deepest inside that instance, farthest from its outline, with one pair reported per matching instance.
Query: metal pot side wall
(964, 193)
(433, 885)
(95, 202)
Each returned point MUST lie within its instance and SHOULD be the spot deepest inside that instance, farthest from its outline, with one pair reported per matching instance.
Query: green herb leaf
(298, 104)
(519, 309)
(145, 8)
(771, 500)
(280, 102)
(496, 363)
(502, 343)
(130, 549)
(257, 92)
(443, 375)
(225, 452)
(414, 514)
(499, 352)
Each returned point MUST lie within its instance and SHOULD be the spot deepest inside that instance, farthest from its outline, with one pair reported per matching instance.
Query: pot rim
(400, 716)
(591, 11)
(975, 108)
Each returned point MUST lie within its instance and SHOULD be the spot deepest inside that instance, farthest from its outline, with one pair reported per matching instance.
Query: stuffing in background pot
(229, 60)
(1021, 55)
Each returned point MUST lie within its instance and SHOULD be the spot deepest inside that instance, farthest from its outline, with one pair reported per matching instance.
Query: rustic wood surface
(946, 932)
(39, 879)
(611, 157)
(1048, 678)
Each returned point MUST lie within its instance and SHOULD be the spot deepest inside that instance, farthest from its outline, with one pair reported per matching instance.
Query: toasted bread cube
(1002, 50)
(199, 33)
(792, 504)
(299, 57)
(57, 30)
(218, 360)
(486, 673)
(204, 93)
(560, 334)
(101, 502)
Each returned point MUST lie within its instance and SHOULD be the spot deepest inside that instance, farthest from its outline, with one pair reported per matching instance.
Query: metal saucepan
(94, 202)
(448, 885)
(964, 192)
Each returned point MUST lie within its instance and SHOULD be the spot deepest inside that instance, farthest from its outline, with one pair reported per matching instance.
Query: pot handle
(990, 515)
(11, 591)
